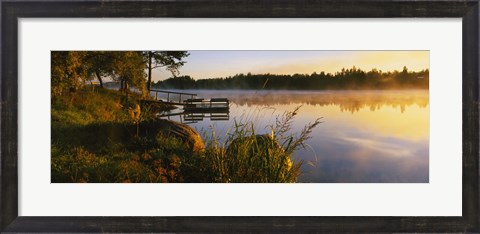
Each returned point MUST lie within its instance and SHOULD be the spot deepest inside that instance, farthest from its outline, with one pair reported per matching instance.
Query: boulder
(181, 131)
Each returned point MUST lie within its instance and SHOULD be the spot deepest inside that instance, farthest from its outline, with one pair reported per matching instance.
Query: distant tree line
(352, 78)
(73, 69)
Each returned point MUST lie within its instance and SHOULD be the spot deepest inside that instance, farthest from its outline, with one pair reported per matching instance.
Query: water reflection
(350, 101)
(188, 117)
(367, 136)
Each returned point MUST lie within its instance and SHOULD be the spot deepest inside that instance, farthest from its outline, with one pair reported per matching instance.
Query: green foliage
(180, 82)
(67, 71)
(100, 64)
(86, 107)
(79, 165)
(153, 164)
(94, 140)
(129, 68)
(71, 69)
(171, 60)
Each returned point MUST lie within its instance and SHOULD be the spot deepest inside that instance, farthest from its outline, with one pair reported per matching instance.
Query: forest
(346, 79)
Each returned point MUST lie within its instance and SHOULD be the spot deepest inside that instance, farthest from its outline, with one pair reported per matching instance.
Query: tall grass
(246, 157)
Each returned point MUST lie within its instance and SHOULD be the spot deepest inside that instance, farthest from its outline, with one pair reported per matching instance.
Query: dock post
(168, 97)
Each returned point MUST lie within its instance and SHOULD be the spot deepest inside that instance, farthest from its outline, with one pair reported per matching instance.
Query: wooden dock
(191, 103)
(212, 105)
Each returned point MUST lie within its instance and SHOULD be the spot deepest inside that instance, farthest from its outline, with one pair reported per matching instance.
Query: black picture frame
(468, 10)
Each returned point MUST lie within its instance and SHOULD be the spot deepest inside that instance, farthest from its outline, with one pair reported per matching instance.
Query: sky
(223, 63)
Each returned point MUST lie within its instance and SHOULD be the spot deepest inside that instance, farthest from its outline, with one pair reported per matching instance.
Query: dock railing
(174, 100)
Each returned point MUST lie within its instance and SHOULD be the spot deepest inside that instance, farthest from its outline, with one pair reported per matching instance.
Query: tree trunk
(149, 81)
(121, 85)
(99, 78)
(126, 90)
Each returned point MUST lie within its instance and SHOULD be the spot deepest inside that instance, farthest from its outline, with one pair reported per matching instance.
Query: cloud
(382, 147)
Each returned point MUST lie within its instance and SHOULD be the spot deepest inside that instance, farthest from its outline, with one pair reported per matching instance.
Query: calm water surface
(365, 137)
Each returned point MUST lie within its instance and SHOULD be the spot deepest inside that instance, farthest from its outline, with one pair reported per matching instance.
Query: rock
(174, 129)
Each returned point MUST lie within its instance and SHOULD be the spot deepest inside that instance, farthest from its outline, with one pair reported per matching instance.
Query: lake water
(365, 137)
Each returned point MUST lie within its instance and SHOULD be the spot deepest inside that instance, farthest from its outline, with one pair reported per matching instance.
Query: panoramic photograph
(240, 116)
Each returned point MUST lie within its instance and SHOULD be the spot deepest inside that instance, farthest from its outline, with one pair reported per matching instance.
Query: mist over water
(365, 137)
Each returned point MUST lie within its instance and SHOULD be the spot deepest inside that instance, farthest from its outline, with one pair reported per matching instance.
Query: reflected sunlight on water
(366, 136)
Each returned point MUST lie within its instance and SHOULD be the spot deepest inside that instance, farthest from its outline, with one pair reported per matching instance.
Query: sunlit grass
(248, 157)
(94, 143)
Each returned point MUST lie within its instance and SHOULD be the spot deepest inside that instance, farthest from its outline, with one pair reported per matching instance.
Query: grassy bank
(95, 139)
(103, 136)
